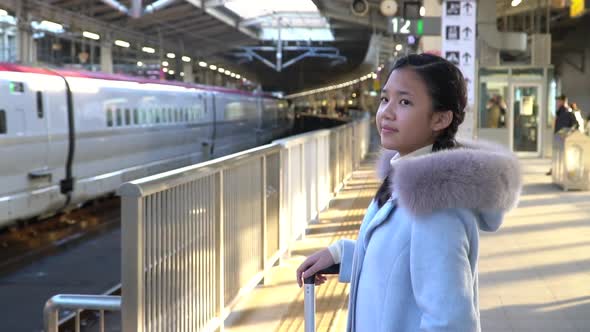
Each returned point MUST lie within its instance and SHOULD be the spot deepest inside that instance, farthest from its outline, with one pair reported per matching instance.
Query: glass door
(525, 108)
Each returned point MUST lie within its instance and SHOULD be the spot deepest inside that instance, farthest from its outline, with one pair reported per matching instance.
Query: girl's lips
(387, 129)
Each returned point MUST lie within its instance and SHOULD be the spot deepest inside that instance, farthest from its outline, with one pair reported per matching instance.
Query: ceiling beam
(225, 18)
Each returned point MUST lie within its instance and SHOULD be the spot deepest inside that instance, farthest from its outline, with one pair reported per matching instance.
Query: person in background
(578, 114)
(564, 118)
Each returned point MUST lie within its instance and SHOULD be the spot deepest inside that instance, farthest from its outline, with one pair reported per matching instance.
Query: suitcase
(309, 297)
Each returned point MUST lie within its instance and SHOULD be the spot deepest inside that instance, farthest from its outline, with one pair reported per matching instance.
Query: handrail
(77, 302)
(158, 182)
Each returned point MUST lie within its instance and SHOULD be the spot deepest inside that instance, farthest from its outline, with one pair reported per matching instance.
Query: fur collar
(479, 175)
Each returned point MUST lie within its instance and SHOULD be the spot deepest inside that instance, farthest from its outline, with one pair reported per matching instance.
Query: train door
(37, 124)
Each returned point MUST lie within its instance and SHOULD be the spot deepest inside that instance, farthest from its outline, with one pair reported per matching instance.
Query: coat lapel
(381, 216)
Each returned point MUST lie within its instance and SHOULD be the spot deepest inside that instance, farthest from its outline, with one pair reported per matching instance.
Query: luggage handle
(334, 269)
(309, 296)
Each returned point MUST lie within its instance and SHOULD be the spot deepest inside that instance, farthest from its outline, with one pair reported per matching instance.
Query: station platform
(534, 272)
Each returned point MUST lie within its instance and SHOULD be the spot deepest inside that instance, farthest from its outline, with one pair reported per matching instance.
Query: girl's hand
(314, 263)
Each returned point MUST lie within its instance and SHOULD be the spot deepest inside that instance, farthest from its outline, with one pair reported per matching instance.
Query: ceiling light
(122, 43)
(171, 55)
(186, 59)
(422, 11)
(165, 63)
(516, 3)
(171, 72)
(227, 72)
(238, 76)
(3, 12)
(398, 47)
(139, 63)
(148, 49)
(203, 64)
(165, 70)
(221, 70)
(213, 67)
(90, 35)
(232, 75)
(182, 73)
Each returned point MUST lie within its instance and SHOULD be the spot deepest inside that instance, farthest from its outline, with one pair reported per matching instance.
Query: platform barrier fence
(196, 239)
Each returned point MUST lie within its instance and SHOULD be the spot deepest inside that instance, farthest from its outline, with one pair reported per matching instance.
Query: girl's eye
(383, 99)
(405, 102)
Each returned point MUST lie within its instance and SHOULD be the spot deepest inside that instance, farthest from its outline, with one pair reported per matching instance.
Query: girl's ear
(441, 120)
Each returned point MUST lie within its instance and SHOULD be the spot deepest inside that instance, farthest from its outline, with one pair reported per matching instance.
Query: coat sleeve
(346, 260)
(441, 274)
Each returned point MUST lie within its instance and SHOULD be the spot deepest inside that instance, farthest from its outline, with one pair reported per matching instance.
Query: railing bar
(77, 327)
(101, 322)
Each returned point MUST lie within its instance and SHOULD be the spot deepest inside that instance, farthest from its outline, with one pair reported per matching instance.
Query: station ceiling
(208, 30)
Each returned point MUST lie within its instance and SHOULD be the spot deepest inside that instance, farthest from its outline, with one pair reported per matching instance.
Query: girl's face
(405, 118)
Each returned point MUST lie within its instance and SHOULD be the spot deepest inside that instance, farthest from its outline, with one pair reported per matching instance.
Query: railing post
(219, 249)
(132, 261)
(51, 317)
(264, 226)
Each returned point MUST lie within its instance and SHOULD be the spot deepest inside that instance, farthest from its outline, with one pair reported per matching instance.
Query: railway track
(27, 242)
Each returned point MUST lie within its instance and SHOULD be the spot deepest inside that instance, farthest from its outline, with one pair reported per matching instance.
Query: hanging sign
(458, 46)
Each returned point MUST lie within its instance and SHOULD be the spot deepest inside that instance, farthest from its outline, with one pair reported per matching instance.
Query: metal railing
(78, 303)
(196, 239)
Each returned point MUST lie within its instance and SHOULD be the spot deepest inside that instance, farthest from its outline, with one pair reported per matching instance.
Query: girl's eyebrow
(399, 92)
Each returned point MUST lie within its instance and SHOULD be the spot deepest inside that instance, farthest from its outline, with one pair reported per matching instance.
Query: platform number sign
(401, 25)
(458, 32)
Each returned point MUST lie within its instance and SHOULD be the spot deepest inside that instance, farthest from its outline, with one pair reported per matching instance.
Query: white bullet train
(67, 137)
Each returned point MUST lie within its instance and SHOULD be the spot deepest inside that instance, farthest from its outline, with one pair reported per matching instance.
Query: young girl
(414, 264)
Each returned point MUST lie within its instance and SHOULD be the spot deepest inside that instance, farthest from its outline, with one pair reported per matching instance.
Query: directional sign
(458, 25)
(426, 26)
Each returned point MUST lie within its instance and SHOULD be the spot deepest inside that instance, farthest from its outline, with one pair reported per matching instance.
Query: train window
(40, 104)
(119, 117)
(158, 115)
(2, 122)
(169, 115)
(127, 116)
(186, 115)
(135, 116)
(109, 117)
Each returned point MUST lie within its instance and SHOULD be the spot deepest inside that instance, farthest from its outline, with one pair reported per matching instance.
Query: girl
(414, 264)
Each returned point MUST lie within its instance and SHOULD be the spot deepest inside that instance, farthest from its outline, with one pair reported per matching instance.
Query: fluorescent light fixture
(213, 67)
(3, 12)
(171, 72)
(203, 64)
(91, 35)
(516, 3)
(165, 70)
(148, 49)
(165, 63)
(182, 74)
(227, 72)
(398, 47)
(171, 55)
(221, 70)
(48, 26)
(139, 64)
(232, 75)
(186, 59)
(122, 43)
(422, 11)
(238, 76)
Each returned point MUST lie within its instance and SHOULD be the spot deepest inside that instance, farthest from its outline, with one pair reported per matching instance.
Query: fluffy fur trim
(480, 175)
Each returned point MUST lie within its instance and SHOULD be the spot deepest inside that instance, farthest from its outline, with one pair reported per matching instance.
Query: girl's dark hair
(446, 87)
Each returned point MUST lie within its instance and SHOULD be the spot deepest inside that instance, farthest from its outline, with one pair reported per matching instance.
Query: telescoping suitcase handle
(309, 296)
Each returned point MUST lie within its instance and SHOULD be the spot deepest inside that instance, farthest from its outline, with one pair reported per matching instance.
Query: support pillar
(106, 56)
(27, 53)
(187, 68)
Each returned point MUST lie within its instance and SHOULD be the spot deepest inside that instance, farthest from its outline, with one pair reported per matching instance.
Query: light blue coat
(414, 264)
